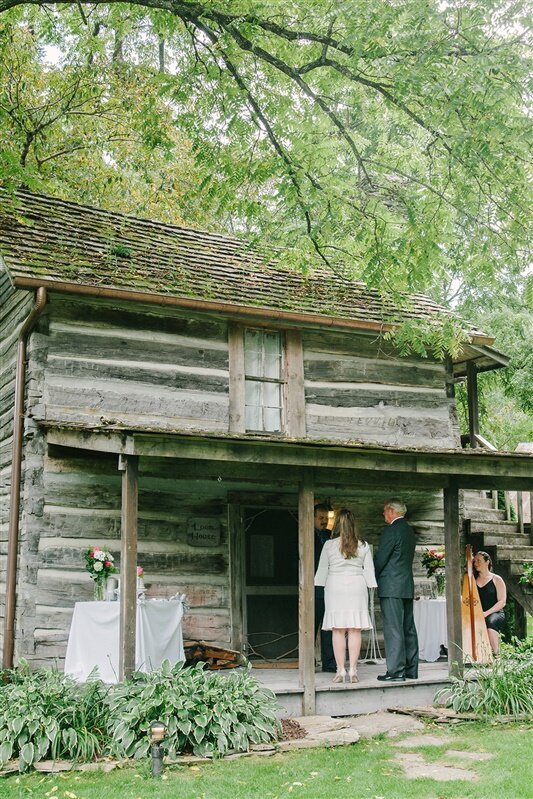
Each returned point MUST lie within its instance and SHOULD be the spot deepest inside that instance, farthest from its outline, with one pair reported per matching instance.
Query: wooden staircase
(510, 547)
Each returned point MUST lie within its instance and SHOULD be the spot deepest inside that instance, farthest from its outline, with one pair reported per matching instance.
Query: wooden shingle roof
(51, 242)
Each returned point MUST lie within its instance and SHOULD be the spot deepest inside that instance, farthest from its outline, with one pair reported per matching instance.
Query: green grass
(362, 771)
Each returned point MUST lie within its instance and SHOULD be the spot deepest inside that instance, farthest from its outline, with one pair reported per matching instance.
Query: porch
(223, 469)
(366, 696)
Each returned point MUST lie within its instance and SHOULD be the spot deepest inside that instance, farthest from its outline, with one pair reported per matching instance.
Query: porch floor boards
(367, 696)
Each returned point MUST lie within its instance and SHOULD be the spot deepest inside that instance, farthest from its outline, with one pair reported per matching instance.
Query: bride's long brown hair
(346, 529)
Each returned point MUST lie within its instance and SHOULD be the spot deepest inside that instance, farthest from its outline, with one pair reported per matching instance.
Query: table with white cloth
(430, 622)
(93, 641)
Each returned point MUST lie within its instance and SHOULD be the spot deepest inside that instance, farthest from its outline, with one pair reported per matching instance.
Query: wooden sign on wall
(203, 532)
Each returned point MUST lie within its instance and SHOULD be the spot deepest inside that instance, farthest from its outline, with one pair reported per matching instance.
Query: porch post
(472, 397)
(129, 466)
(453, 579)
(306, 596)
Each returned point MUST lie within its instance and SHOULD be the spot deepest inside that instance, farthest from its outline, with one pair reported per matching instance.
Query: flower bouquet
(99, 564)
(434, 561)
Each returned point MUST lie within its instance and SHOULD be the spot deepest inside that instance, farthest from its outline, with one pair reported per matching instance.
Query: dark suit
(326, 644)
(393, 563)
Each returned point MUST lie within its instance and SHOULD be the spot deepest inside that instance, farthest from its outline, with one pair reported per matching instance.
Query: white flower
(98, 566)
(99, 555)
(109, 557)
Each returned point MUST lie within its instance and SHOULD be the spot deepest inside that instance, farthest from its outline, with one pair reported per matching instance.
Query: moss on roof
(54, 240)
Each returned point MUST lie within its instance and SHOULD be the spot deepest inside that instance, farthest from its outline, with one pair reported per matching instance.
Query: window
(263, 380)
(266, 381)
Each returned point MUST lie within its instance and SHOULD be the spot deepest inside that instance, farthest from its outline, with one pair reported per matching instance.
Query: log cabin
(182, 399)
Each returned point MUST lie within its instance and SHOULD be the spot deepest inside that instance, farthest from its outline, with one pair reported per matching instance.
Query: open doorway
(271, 584)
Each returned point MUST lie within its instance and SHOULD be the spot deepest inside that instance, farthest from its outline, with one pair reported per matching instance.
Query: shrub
(45, 714)
(527, 576)
(504, 687)
(208, 713)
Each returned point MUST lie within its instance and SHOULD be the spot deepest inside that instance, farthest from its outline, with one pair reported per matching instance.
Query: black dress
(488, 597)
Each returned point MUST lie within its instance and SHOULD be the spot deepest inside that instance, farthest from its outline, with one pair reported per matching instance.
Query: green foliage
(505, 396)
(527, 574)
(203, 712)
(504, 687)
(47, 715)
(391, 138)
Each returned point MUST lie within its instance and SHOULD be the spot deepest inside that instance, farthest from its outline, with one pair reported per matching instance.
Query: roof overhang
(235, 311)
(485, 357)
(330, 462)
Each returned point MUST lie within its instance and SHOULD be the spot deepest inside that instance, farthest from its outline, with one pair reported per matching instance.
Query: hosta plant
(206, 713)
(504, 687)
(45, 714)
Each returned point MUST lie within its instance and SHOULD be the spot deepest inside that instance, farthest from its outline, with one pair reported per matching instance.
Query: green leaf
(27, 753)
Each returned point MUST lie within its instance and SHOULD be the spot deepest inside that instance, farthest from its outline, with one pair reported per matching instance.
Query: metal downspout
(16, 470)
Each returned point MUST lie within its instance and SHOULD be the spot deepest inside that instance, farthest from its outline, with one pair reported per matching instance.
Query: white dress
(346, 582)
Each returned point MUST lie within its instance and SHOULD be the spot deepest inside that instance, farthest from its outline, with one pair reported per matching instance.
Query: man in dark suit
(394, 572)
(322, 535)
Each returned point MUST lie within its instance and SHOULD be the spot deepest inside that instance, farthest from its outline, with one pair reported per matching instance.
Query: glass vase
(99, 589)
(441, 584)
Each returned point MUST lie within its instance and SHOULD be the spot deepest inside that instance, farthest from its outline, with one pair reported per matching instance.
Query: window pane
(272, 349)
(272, 420)
(254, 409)
(253, 352)
(272, 407)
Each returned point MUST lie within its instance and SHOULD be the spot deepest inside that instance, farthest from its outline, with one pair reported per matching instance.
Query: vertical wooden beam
(129, 466)
(306, 598)
(453, 579)
(520, 511)
(236, 570)
(294, 386)
(531, 517)
(237, 410)
(472, 396)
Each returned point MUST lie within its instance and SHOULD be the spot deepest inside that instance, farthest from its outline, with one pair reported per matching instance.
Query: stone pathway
(327, 731)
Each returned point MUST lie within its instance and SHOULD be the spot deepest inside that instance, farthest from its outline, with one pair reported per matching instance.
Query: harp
(476, 644)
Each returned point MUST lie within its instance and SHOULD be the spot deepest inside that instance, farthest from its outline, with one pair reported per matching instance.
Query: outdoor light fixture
(157, 734)
(331, 513)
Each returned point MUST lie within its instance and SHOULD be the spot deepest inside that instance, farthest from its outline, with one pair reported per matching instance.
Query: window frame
(291, 381)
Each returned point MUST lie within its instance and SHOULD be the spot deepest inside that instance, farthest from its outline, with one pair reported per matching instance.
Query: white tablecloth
(94, 637)
(430, 621)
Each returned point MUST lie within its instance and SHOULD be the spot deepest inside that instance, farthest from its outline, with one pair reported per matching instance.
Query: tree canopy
(388, 138)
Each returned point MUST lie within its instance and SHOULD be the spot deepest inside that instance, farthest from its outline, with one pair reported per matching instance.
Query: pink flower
(140, 571)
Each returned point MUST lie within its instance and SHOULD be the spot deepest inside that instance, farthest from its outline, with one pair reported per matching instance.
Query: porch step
(489, 526)
(515, 554)
(478, 499)
(367, 696)
(496, 540)
(490, 515)
(516, 567)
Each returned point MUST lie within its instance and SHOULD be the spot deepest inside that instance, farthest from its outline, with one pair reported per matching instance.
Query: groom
(394, 572)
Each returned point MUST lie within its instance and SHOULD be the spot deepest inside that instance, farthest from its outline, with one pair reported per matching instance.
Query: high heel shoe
(340, 676)
(353, 676)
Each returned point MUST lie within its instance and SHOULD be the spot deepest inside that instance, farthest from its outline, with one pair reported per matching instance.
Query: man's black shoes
(330, 669)
(390, 678)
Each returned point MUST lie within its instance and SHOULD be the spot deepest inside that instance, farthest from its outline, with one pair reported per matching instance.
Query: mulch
(292, 730)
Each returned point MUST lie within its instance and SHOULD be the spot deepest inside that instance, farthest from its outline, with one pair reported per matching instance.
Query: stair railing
(480, 441)
(477, 440)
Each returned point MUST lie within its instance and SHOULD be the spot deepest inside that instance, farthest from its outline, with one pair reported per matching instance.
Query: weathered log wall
(82, 494)
(108, 363)
(356, 387)
(14, 308)
(97, 363)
